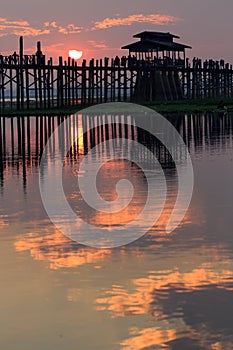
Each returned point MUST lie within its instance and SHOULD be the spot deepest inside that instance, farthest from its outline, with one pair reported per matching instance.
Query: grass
(39, 112)
(179, 106)
(192, 106)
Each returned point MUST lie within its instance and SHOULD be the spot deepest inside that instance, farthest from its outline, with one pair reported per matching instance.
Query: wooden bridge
(31, 81)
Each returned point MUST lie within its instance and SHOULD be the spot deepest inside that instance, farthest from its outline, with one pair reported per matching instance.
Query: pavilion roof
(156, 35)
(149, 44)
(155, 41)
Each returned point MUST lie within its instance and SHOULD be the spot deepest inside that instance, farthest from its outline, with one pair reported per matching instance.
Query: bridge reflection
(22, 139)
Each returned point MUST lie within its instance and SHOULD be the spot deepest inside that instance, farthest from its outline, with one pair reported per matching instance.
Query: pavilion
(158, 47)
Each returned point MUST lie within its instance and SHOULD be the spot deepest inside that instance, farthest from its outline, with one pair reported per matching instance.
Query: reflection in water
(59, 250)
(163, 291)
(153, 296)
(163, 296)
(22, 139)
(152, 338)
(158, 283)
(3, 223)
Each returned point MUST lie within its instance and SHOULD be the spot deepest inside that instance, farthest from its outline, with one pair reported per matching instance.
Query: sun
(75, 54)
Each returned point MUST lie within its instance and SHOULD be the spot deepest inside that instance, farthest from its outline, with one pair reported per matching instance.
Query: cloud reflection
(58, 250)
(164, 296)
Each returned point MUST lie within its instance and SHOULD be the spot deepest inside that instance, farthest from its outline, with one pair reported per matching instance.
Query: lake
(163, 290)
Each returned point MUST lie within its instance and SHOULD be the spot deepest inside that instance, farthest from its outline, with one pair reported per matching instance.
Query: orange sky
(100, 29)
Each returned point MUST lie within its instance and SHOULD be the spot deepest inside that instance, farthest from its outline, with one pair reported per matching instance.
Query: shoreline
(177, 106)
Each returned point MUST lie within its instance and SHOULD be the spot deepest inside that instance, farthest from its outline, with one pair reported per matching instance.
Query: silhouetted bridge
(32, 81)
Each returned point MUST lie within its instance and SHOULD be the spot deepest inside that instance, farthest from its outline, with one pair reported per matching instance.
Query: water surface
(171, 291)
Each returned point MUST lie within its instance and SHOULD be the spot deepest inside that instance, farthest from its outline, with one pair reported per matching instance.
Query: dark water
(164, 291)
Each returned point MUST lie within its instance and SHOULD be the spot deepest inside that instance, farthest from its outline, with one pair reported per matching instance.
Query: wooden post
(35, 84)
(68, 78)
(73, 83)
(113, 88)
(60, 101)
(97, 80)
(2, 87)
(105, 79)
(44, 82)
(76, 84)
(119, 83)
(21, 72)
(92, 82)
(101, 80)
(48, 84)
(17, 88)
(11, 83)
(66, 83)
(52, 82)
(39, 73)
(125, 82)
(84, 79)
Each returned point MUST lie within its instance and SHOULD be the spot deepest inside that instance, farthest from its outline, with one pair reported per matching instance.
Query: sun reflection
(80, 140)
(108, 176)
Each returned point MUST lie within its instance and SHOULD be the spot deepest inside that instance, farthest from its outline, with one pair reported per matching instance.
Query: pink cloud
(137, 18)
(52, 24)
(18, 28)
(6, 22)
(24, 28)
(70, 29)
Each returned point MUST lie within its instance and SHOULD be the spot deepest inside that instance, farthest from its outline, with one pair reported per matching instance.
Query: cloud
(24, 28)
(70, 29)
(6, 22)
(52, 24)
(137, 18)
(18, 28)
(30, 32)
